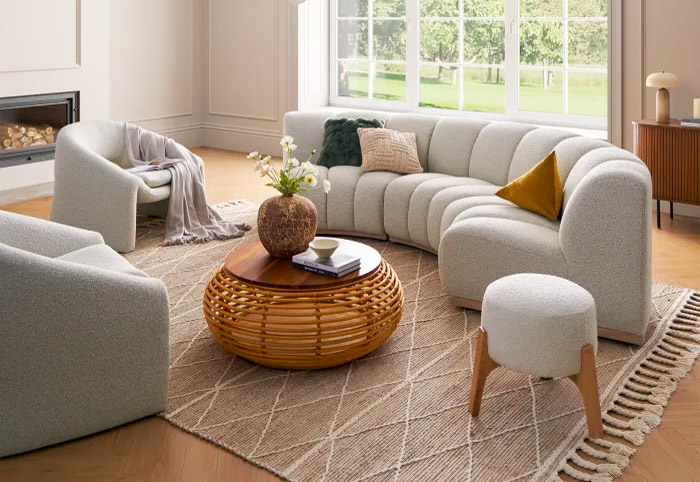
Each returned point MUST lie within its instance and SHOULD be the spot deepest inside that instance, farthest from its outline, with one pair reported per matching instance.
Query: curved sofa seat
(601, 240)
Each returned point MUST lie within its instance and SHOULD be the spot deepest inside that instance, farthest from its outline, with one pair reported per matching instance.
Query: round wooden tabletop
(251, 263)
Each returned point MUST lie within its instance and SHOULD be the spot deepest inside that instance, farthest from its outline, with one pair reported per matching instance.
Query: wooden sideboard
(672, 154)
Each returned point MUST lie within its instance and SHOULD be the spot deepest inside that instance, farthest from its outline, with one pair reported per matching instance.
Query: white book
(335, 264)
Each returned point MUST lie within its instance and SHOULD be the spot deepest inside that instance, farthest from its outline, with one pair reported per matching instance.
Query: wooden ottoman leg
(587, 383)
(483, 365)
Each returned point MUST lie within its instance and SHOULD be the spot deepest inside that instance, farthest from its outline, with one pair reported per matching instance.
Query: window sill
(592, 132)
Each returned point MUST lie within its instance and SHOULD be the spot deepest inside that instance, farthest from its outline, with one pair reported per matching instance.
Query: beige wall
(154, 73)
(249, 73)
(659, 35)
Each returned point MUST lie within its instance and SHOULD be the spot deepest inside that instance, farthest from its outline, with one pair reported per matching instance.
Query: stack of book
(337, 266)
(690, 122)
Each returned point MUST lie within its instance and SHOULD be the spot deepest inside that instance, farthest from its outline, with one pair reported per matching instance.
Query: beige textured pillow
(389, 150)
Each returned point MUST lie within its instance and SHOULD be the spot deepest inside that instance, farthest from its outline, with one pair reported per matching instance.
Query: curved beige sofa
(602, 240)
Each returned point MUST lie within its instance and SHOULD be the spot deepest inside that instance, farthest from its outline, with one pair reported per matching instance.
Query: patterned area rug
(400, 413)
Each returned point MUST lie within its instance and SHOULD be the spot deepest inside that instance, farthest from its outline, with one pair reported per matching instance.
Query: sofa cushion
(147, 194)
(341, 144)
(397, 200)
(452, 143)
(535, 146)
(493, 151)
(455, 208)
(476, 252)
(538, 190)
(389, 150)
(439, 202)
(421, 125)
(369, 201)
(590, 160)
(341, 198)
(570, 150)
(501, 211)
(155, 178)
(104, 257)
(420, 204)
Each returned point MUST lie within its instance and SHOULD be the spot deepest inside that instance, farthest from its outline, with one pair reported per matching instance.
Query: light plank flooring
(153, 450)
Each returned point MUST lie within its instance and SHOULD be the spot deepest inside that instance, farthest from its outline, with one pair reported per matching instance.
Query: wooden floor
(154, 450)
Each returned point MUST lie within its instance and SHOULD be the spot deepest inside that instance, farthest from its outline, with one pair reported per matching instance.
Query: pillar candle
(696, 108)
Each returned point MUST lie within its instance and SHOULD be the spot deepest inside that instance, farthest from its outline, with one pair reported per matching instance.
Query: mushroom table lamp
(663, 81)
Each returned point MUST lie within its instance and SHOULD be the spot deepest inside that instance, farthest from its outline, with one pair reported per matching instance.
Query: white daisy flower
(308, 167)
(326, 186)
(310, 180)
(286, 141)
(291, 148)
(253, 155)
(293, 162)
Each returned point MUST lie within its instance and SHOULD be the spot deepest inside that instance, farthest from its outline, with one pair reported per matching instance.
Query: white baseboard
(188, 135)
(26, 193)
(241, 139)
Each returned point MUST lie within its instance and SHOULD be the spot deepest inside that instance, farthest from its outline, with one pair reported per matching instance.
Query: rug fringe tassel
(640, 400)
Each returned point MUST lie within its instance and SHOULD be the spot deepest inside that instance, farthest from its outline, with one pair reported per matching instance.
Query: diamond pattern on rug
(399, 413)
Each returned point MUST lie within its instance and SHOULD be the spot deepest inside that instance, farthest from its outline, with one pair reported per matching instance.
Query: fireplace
(29, 125)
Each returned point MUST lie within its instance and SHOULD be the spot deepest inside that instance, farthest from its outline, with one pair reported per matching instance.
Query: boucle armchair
(94, 191)
(602, 240)
(83, 336)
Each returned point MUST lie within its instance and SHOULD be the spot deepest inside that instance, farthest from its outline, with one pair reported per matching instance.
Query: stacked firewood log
(17, 136)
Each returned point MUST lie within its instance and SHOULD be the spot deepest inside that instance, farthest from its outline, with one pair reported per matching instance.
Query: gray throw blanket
(190, 219)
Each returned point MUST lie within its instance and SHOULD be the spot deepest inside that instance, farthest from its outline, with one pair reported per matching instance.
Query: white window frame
(512, 70)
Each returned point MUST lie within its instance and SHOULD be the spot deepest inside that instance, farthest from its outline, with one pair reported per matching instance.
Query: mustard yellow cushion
(538, 190)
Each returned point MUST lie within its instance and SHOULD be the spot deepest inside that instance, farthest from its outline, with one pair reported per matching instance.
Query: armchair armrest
(82, 349)
(94, 193)
(43, 237)
(605, 236)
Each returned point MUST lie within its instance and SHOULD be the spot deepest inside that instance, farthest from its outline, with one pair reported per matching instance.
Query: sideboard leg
(671, 209)
(658, 214)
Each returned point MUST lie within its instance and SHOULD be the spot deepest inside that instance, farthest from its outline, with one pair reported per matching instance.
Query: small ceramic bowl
(324, 247)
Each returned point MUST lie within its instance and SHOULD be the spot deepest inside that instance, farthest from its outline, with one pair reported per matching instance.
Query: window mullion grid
(460, 59)
(512, 60)
(412, 53)
(565, 41)
(333, 50)
(370, 49)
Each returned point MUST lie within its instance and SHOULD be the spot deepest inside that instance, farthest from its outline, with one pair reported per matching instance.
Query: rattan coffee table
(266, 311)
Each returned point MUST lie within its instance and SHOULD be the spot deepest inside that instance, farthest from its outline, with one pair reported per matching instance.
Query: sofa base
(412, 244)
(353, 234)
(621, 336)
(468, 304)
(602, 332)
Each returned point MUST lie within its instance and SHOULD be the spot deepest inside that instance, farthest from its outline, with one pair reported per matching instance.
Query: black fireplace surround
(29, 125)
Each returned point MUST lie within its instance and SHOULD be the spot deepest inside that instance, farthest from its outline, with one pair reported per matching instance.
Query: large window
(533, 60)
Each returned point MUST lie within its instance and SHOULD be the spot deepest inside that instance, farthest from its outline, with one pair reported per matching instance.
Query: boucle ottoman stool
(543, 326)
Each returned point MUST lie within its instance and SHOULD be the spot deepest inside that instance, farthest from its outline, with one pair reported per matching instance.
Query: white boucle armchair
(94, 191)
(83, 336)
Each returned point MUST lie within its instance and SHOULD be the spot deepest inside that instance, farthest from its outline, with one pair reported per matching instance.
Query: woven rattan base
(303, 328)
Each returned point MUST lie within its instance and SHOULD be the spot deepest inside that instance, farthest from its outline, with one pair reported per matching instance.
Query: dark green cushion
(341, 144)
